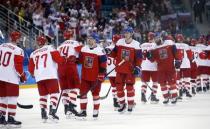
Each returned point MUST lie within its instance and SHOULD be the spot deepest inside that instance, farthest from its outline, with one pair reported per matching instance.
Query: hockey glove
(136, 70)
(101, 77)
(177, 64)
(23, 78)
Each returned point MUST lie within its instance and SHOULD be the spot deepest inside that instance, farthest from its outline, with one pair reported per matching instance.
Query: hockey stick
(59, 99)
(24, 106)
(18, 104)
(104, 97)
(91, 88)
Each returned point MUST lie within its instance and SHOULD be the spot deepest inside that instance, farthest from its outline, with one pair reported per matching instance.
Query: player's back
(184, 48)
(146, 63)
(7, 68)
(68, 48)
(45, 67)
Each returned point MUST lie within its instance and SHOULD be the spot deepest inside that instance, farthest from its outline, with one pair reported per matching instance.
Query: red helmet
(169, 37)
(179, 37)
(202, 39)
(115, 38)
(68, 34)
(15, 35)
(41, 40)
(151, 36)
(193, 42)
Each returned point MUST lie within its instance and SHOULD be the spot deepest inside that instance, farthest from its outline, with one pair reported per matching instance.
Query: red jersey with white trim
(130, 52)
(11, 63)
(185, 50)
(93, 62)
(42, 63)
(111, 63)
(69, 48)
(164, 56)
(146, 64)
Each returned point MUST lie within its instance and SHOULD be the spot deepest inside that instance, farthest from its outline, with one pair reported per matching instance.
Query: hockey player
(111, 64)
(11, 72)
(165, 54)
(193, 65)
(127, 49)
(207, 50)
(201, 62)
(184, 72)
(43, 66)
(93, 60)
(149, 70)
(68, 73)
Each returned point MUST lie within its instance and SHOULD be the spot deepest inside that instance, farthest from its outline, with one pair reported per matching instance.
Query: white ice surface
(189, 114)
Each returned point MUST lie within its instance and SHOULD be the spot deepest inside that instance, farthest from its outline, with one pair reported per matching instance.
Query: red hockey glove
(23, 78)
(101, 77)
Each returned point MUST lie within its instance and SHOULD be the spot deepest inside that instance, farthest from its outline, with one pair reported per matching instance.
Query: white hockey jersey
(7, 68)
(184, 48)
(200, 48)
(45, 67)
(111, 63)
(146, 64)
(69, 48)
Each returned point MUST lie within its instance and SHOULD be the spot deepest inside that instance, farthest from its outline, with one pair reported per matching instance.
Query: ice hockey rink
(189, 114)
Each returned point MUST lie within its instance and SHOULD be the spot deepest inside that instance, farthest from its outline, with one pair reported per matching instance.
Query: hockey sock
(154, 88)
(173, 91)
(65, 97)
(144, 88)
(12, 105)
(54, 100)
(83, 103)
(164, 90)
(3, 105)
(73, 96)
(130, 94)
(43, 101)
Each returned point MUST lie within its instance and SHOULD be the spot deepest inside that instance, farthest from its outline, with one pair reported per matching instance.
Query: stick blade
(24, 106)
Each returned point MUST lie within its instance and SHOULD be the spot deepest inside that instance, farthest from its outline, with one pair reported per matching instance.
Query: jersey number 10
(5, 58)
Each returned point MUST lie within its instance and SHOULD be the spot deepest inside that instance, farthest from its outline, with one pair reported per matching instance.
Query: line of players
(157, 59)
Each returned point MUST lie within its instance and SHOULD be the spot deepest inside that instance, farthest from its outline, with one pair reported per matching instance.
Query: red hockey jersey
(93, 62)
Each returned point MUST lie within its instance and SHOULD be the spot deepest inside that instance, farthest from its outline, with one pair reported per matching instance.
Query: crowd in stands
(54, 16)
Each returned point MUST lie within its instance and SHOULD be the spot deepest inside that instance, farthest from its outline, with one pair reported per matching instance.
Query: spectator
(197, 8)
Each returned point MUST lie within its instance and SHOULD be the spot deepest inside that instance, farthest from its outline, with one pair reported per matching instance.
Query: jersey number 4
(5, 58)
(41, 57)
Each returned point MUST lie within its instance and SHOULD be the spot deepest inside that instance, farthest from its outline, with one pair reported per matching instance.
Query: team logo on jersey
(125, 54)
(163, 54)
(88, 62)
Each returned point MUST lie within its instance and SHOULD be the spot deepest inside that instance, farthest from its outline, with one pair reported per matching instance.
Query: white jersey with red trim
(69, 48)
(111, 63)
(7, 68)
(184, 48)
(200, 48)
(45, 67)
(208, 60)
(146, 64)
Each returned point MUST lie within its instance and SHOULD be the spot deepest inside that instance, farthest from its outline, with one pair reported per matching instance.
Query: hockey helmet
(95, 36)
(179, 38)
(68, 34)
(41, 40)
(115, 38)
(15, 35)
(150, 36)
(128, 30)
(193, 42)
